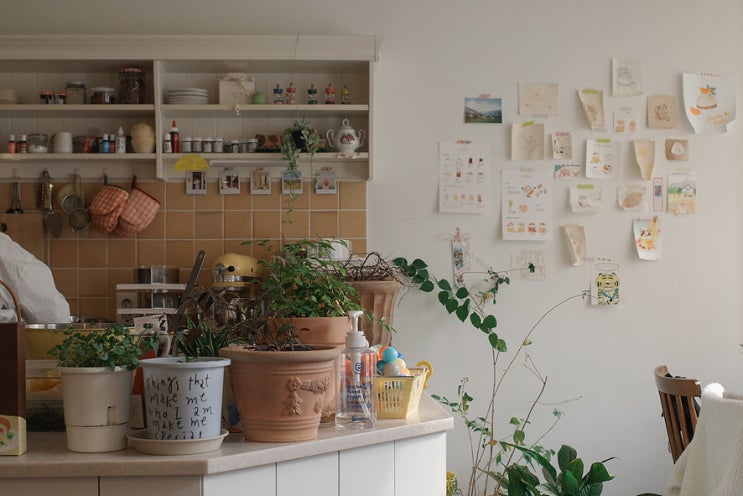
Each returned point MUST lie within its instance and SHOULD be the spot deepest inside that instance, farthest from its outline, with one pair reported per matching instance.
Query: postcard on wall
(567, 171)
(229, 181)
(538, 100)
(196, 182)
(260, 182)
(291, 182)
(634, 197)
(526, 209)
(626, 77)
(527, 141)
(645, 157)
(575, 237)
(562, 145)
(602, 158)
(483, 110)
(662, 113)
(325, 183)
(681, 192)
(709, 101)
(592, 101)
(647, 238)
(464, 177)
(521, 260)
(677, 149)
(585, 198)
(605, 282)
(625, 119)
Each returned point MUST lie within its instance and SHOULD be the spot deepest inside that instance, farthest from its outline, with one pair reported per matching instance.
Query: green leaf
(566, 455)
(475, 320)
(427, 286)
(591, 489)
(500, 345)
(514, 421)
(443, 297)
(518, 436)
(451, 305)
(548, 490)
(540, 459)
(444, 284)
(576, 467)
(569, 484)
(598, 473)
(463, 311)
(400, 261)
(493, 339)
(489, 322)
(462, 293)
(419, 264)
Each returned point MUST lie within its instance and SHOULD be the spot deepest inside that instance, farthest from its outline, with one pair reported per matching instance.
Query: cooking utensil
(15, 199)
(52, 219)
(80, 220)
(175, 319)
(70, 196)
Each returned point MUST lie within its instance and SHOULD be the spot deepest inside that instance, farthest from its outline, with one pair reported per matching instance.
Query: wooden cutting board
(26, 229)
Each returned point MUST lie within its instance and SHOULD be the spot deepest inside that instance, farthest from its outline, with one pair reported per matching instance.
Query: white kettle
(346, 139)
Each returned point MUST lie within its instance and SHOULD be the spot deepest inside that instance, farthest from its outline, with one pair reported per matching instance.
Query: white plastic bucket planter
(96, 408)
(183, 398)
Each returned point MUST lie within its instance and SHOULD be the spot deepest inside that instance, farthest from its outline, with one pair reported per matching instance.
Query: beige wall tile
(176, 197)
(238, 225)
(268, 202)
(118, 276)
(150, 252)
(212, 200)
(208, 225)
(323, 224)
(154, 189)
(301, 202)
(179, 225)
(323, 202)
(63, 253)
(93, 253)
(180, 253)
(358, 246)
(240, 201)
(122, 253)
(353, 224)
(352, 195)
(97, 307)
(267, 224)
(262, 251)
(237, 246)
(156, 229)
(214, 249)
(66, 281)
(298, 225)
(93, 282)
(74, 305)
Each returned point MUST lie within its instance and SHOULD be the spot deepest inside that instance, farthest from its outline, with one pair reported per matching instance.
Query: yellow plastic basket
(398, 397)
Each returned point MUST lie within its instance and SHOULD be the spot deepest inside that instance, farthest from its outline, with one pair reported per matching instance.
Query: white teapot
(346, 139)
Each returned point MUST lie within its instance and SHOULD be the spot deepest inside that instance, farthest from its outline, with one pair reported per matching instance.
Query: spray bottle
(357, 405)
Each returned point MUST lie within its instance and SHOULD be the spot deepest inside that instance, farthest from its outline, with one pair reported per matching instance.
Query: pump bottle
(357, 404)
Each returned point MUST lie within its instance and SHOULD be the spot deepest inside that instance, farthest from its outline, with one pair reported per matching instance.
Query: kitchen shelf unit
(30, 64)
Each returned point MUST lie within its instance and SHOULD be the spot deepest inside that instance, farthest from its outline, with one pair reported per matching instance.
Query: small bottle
(167, 143)
(175, 138)
(329, 95)
(277, 95)
(196, 145)
(345, 96)
(357, 405)
(120, 146)
(104, 145)
(218, 145)
(11, 143)
(291, 94)
(206, 145)
(312, 95)
(186, 145)
(21, 146)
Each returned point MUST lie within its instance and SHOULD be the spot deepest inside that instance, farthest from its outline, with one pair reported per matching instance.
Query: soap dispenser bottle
(357, 404)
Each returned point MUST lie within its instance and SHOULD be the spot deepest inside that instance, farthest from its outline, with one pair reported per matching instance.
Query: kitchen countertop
(47, 454)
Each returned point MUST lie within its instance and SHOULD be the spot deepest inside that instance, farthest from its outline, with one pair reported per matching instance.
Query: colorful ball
(389, 354)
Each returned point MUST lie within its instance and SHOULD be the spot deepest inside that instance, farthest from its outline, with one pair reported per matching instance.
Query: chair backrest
(680, 408)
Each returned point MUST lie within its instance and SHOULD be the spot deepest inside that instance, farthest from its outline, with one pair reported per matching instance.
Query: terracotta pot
(377, 298)
(280, 394)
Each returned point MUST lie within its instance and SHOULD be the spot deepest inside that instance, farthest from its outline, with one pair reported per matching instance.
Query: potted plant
(96, 370)
(298, 138)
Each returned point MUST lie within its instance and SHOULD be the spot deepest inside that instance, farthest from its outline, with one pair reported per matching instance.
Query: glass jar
(75, 92)
(196, 145)
(131, 85)
(101, 95)
(218, 145)
(186, 145)
(206, 145)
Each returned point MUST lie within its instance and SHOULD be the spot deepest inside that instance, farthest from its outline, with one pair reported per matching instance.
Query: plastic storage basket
(398, 397)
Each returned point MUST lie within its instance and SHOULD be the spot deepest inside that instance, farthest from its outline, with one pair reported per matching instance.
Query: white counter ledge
(47, 456)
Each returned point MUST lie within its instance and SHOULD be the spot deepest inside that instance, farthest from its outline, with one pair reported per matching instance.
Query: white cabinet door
(84, 486)
(368, 471)
(312, 476)
(159, 486)
(420, 466)
(257, 481)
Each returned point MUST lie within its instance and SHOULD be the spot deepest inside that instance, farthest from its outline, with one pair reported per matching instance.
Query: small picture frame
(260, 182)
(196, 182)
(291, 182)
(325, 183)
(229, 181)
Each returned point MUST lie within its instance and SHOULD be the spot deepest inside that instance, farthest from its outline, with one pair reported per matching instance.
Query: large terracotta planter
(377, 298)
(280, 394)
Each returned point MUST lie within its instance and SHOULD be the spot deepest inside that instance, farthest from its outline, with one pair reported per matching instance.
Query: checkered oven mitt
(106, 206)
(138, 213)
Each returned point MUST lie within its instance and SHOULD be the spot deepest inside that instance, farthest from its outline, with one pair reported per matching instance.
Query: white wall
(683, 310)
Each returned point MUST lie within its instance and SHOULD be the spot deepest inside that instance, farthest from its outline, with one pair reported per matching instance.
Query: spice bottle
(167, 143)
(120, 141)
(104, 145)
(357, 404)
(11, 143)
(175, 137)
(21, 145)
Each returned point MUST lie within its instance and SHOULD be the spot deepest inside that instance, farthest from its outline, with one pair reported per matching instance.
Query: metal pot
(156, 274)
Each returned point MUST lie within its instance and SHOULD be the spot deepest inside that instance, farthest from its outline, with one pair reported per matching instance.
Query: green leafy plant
(296, 282)
(201, 340)
(111, 347)
(495, 461)
(298, 138)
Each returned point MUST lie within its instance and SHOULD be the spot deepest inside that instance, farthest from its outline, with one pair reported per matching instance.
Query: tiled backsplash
(88, 267)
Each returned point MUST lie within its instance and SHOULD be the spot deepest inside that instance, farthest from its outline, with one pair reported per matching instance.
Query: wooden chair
(677, 397)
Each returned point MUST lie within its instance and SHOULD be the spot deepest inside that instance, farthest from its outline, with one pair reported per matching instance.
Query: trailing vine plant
(504, 466)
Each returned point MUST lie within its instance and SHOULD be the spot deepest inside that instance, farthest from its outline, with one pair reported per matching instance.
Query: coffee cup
(62, 142)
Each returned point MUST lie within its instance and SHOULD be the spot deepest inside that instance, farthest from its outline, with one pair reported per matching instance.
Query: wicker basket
(398, 397)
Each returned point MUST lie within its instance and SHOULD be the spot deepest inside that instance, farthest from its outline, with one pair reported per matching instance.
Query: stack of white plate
(7, 95)
(182, 96)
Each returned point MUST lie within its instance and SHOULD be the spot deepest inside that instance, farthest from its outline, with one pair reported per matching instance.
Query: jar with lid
(75, 92)
(101, 95)
(186, 145)
(206, 145)
(218, 145)
(234, 146)
(131, 85)
(196, 145)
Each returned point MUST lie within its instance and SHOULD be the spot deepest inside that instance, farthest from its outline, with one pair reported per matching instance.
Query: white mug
(62, 142)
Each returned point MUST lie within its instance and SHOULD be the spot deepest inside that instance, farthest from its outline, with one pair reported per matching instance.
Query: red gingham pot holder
(106, 207)
(138, 213)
